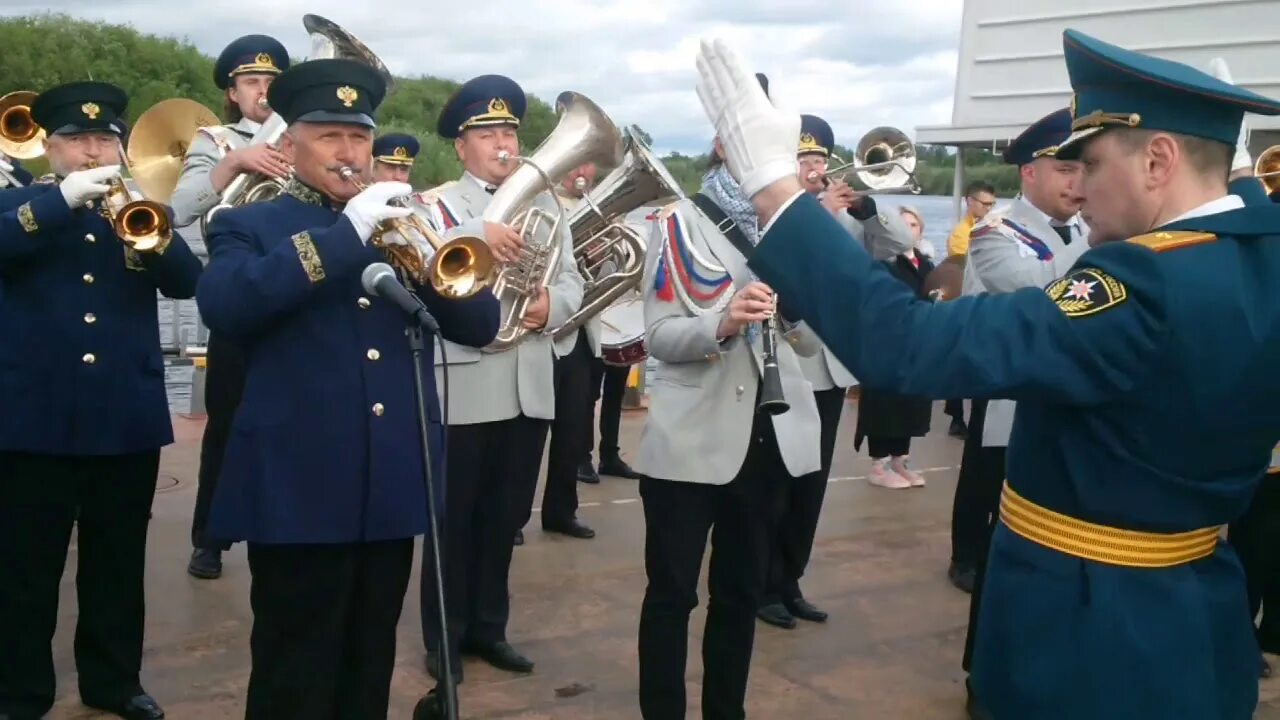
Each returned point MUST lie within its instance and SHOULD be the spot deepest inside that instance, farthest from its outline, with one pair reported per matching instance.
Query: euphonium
(584, 134)
(456, 269)
(328, 40)
(609, 253)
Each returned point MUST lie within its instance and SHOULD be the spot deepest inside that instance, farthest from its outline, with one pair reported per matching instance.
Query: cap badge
(90, 110)
(347, 95)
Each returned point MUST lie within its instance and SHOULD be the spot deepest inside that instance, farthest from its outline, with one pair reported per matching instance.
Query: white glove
(758, 139)
(370, 207)
(1218, 68)
(82, 186)
(4, 165)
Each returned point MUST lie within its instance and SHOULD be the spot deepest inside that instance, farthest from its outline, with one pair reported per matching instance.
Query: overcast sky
(858, 64)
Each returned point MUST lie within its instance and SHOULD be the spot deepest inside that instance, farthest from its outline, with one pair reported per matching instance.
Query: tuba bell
(884, 161)
(584, 134)
(1267, 169)
(610, 254)
(328, 41)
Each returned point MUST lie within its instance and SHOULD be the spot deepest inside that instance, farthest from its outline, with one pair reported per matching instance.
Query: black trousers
(976, 507)
(1255, 535)
(879, 447)
(678, 516)
(794, 510)
(955, 408)
(324, 628)
(491, 477)
(608, 385)
(977, 495)
(108, 500)
(570, 434)
(222, 390)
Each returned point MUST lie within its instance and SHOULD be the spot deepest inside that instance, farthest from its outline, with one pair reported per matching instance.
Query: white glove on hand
(82, 186)
(758, 139)
(370, 207)
(1218, 68)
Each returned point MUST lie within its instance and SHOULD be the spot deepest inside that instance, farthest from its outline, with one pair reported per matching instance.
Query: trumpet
(885, 161)
(142, 225)
(20, 137)
(457, 269)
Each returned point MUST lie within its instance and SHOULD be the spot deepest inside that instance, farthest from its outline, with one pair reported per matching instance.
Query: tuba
(609, 253)
(20, 137)
(584, 134)
(885, 161)
(328, 41)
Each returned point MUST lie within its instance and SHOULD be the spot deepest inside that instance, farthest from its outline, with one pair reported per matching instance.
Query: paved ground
(891, 649)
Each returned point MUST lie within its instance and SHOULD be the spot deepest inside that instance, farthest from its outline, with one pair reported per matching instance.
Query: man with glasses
(979, 198)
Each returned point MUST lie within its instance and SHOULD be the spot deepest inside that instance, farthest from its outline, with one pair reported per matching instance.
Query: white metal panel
(1011, 69)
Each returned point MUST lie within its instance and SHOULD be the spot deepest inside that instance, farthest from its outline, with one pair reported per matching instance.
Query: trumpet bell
(461, 268)
(159, 141)
(1267, 169)
(20, 137)
(142, 225)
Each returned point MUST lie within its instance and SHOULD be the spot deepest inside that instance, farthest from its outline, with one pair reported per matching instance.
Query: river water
(937, 210)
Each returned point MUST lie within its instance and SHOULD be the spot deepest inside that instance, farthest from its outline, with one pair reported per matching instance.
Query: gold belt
(1099, 543)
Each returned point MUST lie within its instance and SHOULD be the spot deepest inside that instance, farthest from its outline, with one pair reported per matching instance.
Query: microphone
(379, 279)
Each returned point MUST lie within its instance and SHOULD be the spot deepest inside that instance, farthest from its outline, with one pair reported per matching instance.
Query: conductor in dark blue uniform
(323, 475)
(393, 156)
(1145, 379)
(84, 411)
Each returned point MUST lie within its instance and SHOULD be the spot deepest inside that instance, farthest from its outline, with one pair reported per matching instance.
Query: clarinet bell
(772, 401)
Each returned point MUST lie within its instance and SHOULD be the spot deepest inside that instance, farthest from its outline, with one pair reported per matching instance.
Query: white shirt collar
(1072, 222)
(1213, 207)
(249, 126)
(480, 183)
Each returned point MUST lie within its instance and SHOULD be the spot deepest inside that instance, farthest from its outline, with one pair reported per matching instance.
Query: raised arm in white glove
(82, 186)
(1242, 161)
(369, 207)
(758, 139)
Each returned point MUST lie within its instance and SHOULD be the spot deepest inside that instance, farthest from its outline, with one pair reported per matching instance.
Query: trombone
(885, 161)
(457, 269)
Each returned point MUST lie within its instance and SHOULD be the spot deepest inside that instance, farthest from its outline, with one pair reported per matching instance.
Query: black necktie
(490, 189)
(1064, 232)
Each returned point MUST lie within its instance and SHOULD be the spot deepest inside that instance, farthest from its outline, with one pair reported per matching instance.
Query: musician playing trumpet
(707, 456)
(244, 72)
(323, 475)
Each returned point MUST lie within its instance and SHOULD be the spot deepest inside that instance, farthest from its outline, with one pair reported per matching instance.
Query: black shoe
(205, 564)
(519, 537)
(429, 707)
(776, 615)
(433, 667)
(500, 655)
(615, 466)
(587, 474)
(958, 429)
(963, 577)
(139, 707)
(974, 707)
(802, 609)
(573, 528)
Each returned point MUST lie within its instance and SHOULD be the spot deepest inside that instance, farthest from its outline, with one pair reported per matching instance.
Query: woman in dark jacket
(886, 419)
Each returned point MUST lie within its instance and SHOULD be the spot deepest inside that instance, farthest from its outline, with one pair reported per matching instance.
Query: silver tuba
(584, 134)
(610, 254)
(328, 41)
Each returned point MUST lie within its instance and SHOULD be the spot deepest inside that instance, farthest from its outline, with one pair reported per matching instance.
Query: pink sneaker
(899, 466)
(884, 476)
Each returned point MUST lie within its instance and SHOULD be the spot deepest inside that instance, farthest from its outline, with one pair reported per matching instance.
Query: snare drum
(622, 332)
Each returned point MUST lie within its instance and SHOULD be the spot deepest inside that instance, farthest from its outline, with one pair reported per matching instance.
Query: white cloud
(857, 64)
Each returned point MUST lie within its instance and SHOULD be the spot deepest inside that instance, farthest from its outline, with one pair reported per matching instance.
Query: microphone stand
(418, 343)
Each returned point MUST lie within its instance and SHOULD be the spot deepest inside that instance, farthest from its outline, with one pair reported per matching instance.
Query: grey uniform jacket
(488, 386)
(194, 194)
(886, 229)
(702, 398)
(1000, 262)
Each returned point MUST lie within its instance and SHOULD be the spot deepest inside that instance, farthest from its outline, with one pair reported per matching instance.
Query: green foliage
(41, 51)
(44, 50)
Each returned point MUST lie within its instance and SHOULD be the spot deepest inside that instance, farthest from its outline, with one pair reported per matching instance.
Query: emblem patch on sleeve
(1085, 292)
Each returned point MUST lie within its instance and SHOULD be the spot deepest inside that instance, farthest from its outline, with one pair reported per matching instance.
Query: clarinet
(772, 401)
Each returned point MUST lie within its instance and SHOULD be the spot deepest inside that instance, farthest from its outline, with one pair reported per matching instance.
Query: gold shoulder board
(1172, 240)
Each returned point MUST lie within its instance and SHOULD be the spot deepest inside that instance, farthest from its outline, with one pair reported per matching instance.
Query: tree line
(41, 51)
